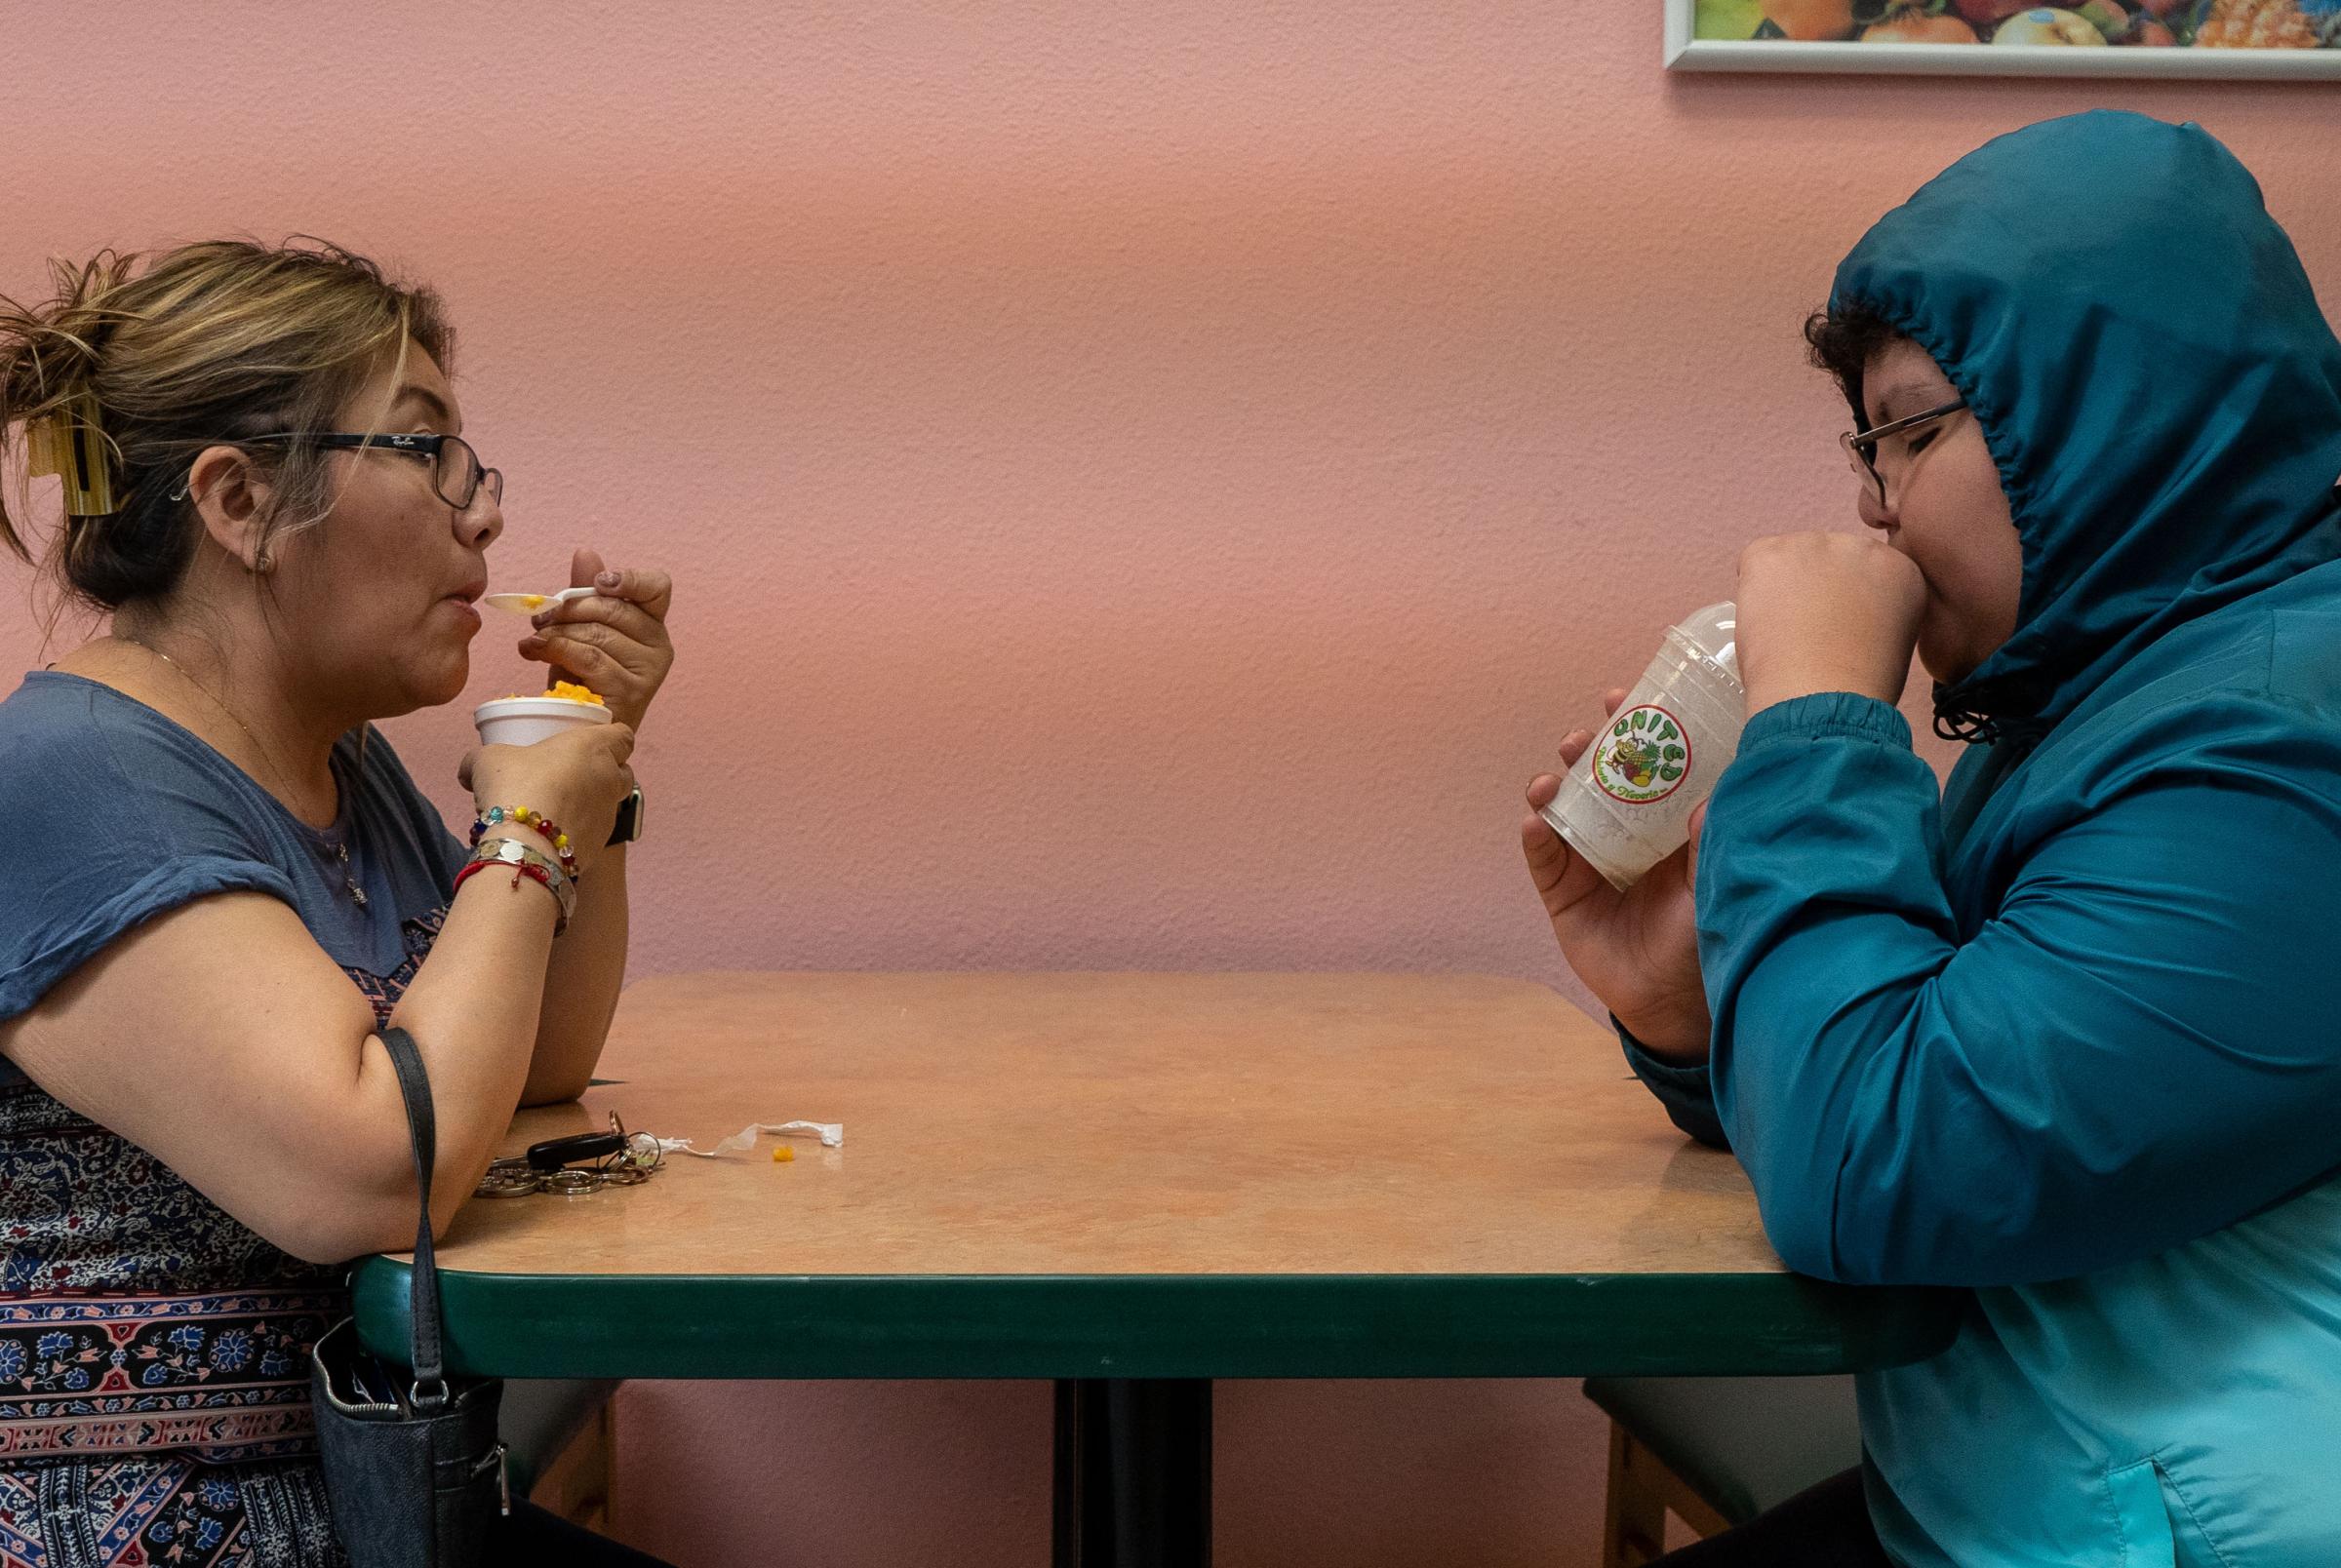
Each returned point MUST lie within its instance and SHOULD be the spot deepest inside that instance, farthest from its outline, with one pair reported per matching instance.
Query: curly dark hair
(1843, 341)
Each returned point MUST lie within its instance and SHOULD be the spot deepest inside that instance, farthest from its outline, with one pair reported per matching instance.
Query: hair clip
(69, 443)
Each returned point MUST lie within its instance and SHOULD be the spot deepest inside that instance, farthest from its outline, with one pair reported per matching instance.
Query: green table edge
(1157, 1326)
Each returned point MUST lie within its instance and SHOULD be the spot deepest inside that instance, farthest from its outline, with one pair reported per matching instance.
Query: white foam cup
(526, 721)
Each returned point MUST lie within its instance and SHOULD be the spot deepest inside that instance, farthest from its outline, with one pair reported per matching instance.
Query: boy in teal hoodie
(2068, 1032)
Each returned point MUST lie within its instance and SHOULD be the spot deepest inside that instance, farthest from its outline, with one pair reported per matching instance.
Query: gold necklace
(349, 882)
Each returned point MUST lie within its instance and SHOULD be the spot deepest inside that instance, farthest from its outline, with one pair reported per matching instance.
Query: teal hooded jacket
(2068, 1030)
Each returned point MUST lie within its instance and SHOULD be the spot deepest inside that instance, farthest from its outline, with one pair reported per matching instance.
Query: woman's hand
(614, 642)
(1826, 612)
(1638, 950)
(577, 777)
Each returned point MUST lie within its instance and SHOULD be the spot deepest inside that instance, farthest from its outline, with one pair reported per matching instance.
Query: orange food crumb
(783, 1155)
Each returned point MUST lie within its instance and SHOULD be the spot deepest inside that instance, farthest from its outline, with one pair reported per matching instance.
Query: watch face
(628, 826)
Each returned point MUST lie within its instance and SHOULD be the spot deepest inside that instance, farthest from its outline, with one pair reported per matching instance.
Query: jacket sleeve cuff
(1825, 716)
(1684, 1091)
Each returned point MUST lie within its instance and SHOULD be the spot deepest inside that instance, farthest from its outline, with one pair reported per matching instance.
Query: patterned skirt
(154, 1401)
(154, 1352)
(165, 1509)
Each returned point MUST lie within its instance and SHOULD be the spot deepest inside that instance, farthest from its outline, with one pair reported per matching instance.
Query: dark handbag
(413, 1467)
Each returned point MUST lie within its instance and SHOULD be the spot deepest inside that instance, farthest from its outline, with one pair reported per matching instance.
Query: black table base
(1133, 1472)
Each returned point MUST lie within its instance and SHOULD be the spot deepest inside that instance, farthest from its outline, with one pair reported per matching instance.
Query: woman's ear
(233, 498)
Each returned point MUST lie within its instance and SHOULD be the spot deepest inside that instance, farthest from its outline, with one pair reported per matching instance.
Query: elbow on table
(364, 1202)
(1909, 1242)
(1805, 1248)
(361, 1225)
(1820, 1230)
(1818, 1253)
(348, 1226)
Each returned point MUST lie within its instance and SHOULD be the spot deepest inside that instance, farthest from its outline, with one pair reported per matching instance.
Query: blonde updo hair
(209, 345)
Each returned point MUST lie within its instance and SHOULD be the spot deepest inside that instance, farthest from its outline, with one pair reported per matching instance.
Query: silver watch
(629, 819)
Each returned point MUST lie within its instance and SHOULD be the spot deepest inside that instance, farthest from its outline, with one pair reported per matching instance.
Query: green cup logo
(1644, 757)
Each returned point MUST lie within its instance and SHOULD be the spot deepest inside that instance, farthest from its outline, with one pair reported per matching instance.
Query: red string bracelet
(537, 873)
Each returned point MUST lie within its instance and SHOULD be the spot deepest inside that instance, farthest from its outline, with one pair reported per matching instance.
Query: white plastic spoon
(531, 604)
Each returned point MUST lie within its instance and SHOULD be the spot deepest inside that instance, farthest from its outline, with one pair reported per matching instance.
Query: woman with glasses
(2064, 1031)
(217, 883)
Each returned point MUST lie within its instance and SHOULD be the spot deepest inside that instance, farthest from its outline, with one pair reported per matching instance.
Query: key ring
(558, 1166)
(508, 1177)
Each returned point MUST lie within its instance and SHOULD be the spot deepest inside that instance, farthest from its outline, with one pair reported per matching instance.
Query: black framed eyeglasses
(1861, 446)
(456, 473)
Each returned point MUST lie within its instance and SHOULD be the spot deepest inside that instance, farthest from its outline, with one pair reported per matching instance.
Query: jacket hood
(2146, 358)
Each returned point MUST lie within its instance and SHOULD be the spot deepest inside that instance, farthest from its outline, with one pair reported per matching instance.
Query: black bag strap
(429, 1390)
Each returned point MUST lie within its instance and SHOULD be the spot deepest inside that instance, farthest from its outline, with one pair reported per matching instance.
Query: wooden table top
(1038, 1165)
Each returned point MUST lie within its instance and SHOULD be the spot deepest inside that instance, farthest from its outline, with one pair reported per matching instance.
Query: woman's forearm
(473, 1010)
(582, 983)
(491, 1039)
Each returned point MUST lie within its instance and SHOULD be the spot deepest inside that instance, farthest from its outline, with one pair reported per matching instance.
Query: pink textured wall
(1147, 488)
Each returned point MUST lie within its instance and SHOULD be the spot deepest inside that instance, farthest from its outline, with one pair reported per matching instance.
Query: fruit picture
(1643, 758)
(2158, 24)
(1632, 759)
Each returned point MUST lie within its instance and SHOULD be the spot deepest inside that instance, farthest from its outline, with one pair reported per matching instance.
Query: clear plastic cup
(526, 721)
(1627, 804)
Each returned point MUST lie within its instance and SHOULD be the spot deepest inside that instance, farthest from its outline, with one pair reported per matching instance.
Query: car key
(555, 1153)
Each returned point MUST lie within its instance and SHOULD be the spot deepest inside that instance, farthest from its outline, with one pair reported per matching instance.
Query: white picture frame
(1685, 52)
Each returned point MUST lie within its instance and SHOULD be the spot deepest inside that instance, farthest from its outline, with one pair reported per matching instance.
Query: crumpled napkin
(831, 1133)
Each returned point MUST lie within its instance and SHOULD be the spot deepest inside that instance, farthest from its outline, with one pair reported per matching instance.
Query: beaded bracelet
(529, 817)
(525, 862)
